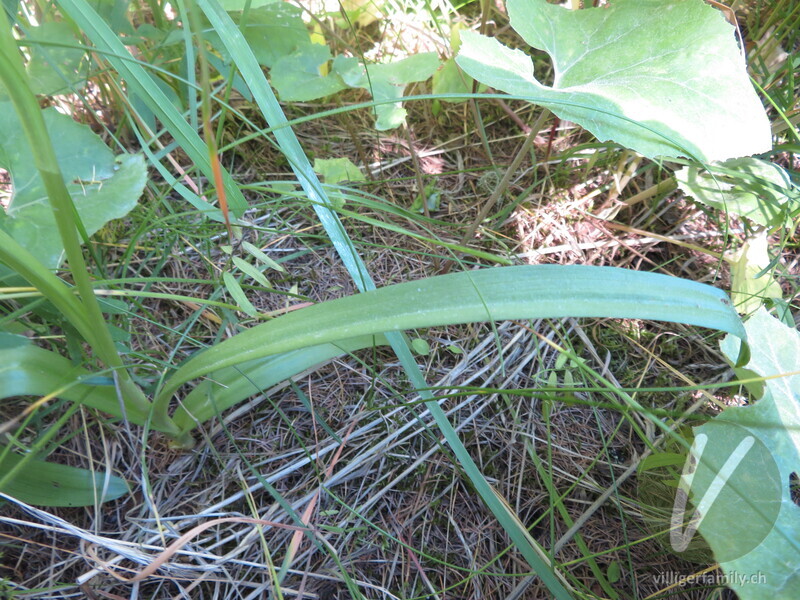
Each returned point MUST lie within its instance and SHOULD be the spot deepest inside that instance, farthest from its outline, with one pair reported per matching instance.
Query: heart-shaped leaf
(387, 82)
(663, 77)
(297, 77)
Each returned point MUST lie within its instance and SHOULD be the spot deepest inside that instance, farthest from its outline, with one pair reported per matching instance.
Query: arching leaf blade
(229, 386)
(32, 371)
(523, 292)
(46, 483)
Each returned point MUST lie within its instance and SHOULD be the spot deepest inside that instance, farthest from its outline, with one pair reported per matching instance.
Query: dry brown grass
(394, 509)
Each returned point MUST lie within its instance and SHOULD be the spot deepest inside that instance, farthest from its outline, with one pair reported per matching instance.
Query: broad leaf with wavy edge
(770, 570)
(663, 77)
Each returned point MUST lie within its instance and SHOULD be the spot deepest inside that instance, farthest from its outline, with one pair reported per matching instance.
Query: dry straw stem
(175, 546)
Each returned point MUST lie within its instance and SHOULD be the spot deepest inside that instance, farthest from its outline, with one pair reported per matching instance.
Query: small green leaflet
(298, 76)
(420, 346)
(238, 295)
(337, 170)
(450, 79)
(387, 82)
(261, 257)
(248, 269)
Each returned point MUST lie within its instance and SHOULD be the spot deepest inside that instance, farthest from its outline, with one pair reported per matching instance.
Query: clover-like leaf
(663, 77)
(102, 187)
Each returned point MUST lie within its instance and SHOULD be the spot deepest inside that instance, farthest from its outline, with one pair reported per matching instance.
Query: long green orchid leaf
(27, 370)
(525, 292)
(234, 384)
(52, 484)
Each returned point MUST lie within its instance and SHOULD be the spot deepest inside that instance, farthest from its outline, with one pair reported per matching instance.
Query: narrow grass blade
(140, 82)
(256, 253)
(251, 271)
(252, 73)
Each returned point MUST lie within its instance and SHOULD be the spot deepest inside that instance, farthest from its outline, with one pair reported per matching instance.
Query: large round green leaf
(102, 187)
(663, 77)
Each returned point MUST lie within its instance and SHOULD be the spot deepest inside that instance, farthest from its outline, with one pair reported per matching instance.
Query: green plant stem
(503, 185)
(205, 111)
(51, 287)
(417, 170)
(86, 312)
